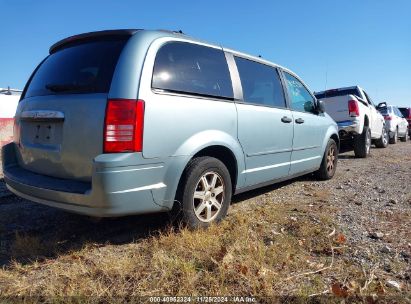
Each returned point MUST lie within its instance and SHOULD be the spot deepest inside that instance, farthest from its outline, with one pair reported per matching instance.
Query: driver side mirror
(309, 106)
(320, 106)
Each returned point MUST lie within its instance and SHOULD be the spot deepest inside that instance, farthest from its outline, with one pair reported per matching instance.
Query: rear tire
(329, 162)
(204, 193)
(362, 143)
(405, 138)
(382, 142)
(394, 138)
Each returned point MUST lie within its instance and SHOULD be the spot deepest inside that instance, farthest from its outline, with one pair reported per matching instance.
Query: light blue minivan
(125, 122)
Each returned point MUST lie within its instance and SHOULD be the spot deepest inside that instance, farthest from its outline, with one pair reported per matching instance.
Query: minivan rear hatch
(60, 118)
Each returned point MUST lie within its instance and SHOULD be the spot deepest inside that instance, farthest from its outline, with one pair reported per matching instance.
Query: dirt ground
(368, 202)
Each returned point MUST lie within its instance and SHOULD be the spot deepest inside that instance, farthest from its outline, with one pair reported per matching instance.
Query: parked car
(406, 112)
(9, 99)
(396, 124)
(133, 121)
(358, 120)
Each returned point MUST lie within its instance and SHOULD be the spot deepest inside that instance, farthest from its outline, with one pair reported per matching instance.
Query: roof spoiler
(91, 36)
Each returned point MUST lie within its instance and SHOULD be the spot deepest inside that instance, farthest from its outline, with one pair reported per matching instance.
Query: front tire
(329, 162)
(204, 193)
(394, 138)
(382, 142)
(362, 143)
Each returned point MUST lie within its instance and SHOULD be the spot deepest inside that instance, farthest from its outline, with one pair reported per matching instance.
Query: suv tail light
(388, 117)
(123, 126)
(353, 109)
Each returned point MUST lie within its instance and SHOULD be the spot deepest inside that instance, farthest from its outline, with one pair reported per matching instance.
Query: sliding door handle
(299, 120)
(286, 119)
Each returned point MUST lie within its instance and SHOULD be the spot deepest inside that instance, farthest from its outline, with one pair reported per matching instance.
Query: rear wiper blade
(66, 87)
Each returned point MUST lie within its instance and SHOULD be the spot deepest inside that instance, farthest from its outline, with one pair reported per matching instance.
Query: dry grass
(277, 251)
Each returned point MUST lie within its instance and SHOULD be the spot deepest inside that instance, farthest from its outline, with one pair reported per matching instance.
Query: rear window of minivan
(83, 68)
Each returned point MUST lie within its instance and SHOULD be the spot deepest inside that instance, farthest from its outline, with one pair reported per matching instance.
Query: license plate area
(47, 134)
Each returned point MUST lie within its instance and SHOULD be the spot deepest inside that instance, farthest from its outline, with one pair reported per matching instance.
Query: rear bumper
(117, 187)
(390, 127)
(348, 126)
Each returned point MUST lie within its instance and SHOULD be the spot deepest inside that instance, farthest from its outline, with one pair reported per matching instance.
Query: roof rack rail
(180, 32)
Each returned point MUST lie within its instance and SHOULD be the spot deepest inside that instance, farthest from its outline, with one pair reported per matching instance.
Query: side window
(368, 99)
(301, 100)
(191, 68)
(398, 112)
(261, 83)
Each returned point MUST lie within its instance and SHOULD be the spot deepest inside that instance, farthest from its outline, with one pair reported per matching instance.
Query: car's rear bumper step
(22, 176)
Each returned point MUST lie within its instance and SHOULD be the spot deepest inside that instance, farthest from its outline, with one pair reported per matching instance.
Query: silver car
(133, 121)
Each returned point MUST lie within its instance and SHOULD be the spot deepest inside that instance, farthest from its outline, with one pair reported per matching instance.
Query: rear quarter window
(194, 69)
(83, 68)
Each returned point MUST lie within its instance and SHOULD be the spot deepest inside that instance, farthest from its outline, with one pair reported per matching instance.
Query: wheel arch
(220, 152)
(226, 156)
(332, 132)
(366, 121)
(211, 143)
(336, 138)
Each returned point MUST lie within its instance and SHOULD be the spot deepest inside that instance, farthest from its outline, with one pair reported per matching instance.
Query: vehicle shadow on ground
(33, 232)
(347, 153)
(260, 191)
(347, 156)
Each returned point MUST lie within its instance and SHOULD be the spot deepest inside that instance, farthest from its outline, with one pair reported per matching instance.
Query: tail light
(387, 117)
(123, 126)
(353, 108)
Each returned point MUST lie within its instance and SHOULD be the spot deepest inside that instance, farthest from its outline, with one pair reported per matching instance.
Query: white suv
(395, 123)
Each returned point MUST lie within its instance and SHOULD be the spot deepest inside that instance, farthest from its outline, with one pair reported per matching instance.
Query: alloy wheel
(331, 158)
(208, 196)
(368, 143)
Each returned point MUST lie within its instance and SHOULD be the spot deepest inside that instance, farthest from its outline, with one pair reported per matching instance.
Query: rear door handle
(299, 120)
(286, 119)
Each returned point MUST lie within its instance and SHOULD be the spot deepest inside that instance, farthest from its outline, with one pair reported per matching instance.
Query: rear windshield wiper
(67, 87)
